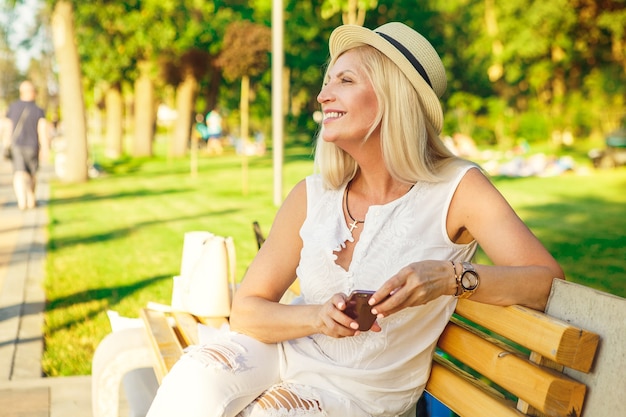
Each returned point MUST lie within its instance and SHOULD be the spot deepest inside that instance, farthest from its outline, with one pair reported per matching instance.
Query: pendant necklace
(355, 222)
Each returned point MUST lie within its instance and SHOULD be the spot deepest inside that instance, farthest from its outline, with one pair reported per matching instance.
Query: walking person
(214, 132)
(26, 134)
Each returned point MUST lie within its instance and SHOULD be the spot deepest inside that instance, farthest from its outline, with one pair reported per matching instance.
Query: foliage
(563, 59)
(246, 45)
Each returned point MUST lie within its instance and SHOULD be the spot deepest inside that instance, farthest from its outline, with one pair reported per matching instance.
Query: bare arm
(44, 138)
(256, 310)
(522, 270)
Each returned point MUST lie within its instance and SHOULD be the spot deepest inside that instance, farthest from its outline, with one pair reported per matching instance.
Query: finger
(376, 327)
(391, 304)
(339, 322)
(337, 329)
(340, 300)
(390, 287)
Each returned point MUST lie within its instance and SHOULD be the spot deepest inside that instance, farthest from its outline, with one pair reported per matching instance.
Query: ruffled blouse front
(383, 373)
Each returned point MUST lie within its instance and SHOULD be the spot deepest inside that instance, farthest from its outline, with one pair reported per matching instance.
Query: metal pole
(277, 98)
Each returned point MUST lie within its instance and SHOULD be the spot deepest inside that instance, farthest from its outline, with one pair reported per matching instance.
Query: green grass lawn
(116, 241)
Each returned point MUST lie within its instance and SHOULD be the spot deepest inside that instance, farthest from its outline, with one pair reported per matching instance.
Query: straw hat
(410, 51)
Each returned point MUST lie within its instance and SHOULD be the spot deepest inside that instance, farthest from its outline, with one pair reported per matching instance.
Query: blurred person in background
(26, 135)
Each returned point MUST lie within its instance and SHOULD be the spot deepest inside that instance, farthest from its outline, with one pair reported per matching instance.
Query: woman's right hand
(333, 322)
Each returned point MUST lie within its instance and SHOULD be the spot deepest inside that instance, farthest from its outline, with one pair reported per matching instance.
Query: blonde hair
(411, 148)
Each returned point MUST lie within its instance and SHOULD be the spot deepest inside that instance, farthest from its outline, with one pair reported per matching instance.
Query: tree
(352, 11)
(9, 75)
(244, 55)
(118, 45)
(70, 92)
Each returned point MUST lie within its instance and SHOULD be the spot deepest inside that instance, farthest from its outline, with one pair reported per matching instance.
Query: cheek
(370, 110)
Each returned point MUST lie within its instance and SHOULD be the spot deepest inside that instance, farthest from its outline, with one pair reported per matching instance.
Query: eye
(345, 80)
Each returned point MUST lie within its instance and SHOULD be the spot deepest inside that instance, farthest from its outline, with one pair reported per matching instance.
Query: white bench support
(123, 356)
(604, 314)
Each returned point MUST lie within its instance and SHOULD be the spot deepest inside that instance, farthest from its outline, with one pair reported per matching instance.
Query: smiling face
(349, 103)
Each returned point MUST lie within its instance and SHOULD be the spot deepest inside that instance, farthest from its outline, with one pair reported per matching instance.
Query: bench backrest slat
(549, 392)
(557, 340)
(465, 397)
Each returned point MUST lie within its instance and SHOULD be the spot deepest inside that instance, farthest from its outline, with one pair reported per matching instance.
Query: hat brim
(350, 36)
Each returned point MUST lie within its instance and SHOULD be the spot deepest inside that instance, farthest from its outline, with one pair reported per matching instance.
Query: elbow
(250, 331)
(240, 322)
(237, 320)
(541, 302)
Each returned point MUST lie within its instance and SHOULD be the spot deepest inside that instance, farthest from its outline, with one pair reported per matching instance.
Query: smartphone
(358, 308)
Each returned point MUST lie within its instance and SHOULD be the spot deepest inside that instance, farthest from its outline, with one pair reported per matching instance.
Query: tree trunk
(355, 15)
(244, 106)
(185, 95)
(144, 113)
(496, 70)
(70, 93)
(114, 126)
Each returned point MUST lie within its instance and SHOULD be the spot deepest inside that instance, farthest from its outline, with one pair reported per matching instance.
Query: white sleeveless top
(383, 373)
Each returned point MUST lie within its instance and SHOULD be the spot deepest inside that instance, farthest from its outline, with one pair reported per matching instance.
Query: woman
(391, 210)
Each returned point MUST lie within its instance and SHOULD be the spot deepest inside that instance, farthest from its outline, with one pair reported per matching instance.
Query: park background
(533, 87)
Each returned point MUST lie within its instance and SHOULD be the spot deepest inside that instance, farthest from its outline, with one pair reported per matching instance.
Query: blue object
(436, 408)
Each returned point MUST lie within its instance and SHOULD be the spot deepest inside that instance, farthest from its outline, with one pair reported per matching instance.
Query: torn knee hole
(282, 398)
(224, 356)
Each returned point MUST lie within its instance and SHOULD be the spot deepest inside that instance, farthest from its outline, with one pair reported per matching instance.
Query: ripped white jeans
(238, 376)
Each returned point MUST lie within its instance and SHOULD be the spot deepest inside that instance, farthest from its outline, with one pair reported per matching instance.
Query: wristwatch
(468, 281)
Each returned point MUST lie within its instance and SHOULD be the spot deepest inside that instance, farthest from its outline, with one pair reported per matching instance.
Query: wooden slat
(295, 287)
(547, 391)
(187, 326)
(164, 341)
(554, 339)
(522, 405)
(465, 398)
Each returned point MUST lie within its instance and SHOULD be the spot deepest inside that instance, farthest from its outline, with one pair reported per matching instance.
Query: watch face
(469, 280)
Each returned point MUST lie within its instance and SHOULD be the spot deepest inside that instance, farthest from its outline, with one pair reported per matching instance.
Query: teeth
(332, 115)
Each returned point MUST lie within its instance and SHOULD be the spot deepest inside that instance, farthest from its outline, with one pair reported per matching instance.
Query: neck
(377, 189)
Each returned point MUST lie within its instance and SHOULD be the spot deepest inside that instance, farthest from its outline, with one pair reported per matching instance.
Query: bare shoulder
(476, 186)
(476, 204)
(295, 202)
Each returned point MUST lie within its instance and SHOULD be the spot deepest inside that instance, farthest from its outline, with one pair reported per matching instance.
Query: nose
(324, 95)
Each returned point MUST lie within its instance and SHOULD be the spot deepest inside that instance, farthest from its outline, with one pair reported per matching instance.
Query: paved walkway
(24, 391)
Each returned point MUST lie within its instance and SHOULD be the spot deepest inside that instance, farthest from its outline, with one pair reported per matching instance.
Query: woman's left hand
(415, 284)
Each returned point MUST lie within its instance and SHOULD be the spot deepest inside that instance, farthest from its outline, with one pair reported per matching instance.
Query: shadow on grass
(125, 231)
(127, 194)
(112, 295)
(588, 237)
(122, 165)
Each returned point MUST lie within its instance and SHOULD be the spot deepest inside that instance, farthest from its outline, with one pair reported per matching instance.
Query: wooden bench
(491, 361)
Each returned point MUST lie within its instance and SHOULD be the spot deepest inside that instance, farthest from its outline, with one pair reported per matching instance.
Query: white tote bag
(207, 275)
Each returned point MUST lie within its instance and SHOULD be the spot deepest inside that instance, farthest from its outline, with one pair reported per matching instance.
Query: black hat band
(408, 55)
